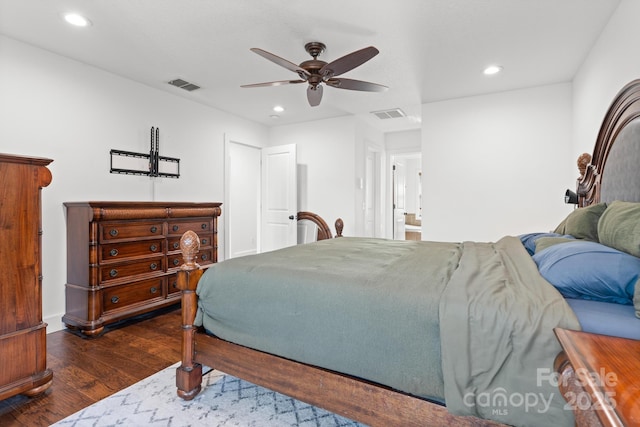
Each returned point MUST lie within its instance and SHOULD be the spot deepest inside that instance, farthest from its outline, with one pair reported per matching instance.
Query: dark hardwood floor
(86, 370)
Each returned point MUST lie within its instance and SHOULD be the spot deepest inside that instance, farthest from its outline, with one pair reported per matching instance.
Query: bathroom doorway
(406, 175)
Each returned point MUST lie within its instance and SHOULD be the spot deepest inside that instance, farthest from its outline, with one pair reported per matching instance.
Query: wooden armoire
(23, 334)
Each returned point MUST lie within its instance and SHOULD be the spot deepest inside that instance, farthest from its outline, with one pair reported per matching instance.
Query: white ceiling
(430, 50)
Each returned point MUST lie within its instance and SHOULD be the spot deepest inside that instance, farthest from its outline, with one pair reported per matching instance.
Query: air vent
(183, 84)
(394, 113)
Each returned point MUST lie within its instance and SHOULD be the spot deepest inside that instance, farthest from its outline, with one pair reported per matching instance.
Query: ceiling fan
(315, 72)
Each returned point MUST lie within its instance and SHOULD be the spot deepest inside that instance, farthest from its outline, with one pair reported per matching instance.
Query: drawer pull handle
(176, 228)
(153, 248)
(176, 245)
(113, 273)
(154, 229)
(115, 300)
(176, 261)
(153, 290)
(174, 285)
(204, 257)
(204, 241)
(113, 252)
(153, 266)
(113, 232)
(204, 226)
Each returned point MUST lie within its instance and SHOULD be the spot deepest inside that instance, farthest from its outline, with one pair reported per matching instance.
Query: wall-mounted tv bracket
(149, 164)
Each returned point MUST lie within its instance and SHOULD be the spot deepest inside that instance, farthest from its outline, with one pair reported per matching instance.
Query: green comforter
(462, 322)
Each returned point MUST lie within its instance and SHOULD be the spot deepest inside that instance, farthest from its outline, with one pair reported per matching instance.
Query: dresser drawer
(119, 297)
(204, 257)
(206, 240)
(199, 225)
(130, 230)
(172, 284)
(123, 270)
(119, 251)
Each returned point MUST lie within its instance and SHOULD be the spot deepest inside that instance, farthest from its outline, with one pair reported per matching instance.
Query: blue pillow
(529, 240)
(590, 270)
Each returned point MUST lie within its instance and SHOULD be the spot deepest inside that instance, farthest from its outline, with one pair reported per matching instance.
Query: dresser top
(13, 158)
(136, 205)
(119, 210)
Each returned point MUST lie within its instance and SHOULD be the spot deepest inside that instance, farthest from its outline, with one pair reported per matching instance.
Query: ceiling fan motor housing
(315, 48)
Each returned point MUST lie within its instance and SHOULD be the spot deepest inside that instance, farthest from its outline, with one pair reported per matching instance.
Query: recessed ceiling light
(492, 69)
(76, 19)
(278, 109)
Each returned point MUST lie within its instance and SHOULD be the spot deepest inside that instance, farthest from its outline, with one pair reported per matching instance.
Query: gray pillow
(560, 228)
(619, 227)
(582, 223)
(544, 242)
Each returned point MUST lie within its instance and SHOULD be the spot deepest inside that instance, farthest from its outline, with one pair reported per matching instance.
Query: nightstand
(599, 377)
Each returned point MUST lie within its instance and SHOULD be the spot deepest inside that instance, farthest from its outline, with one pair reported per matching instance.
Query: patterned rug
(223, 401)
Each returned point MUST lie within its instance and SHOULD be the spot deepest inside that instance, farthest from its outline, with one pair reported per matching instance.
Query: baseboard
(54, 323)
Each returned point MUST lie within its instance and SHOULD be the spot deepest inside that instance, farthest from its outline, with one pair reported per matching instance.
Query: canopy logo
(582, 400)
(499, 400)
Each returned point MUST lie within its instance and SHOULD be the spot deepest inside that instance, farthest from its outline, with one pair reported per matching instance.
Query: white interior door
(399, 195)
(242, 198)
(279, 197)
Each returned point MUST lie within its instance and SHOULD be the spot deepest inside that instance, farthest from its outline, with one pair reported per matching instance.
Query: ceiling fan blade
(349, 62)
(281, 62)
(356, 85)
(278, 83)
(314, 95)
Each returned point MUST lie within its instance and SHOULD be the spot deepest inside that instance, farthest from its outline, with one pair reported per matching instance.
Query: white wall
(408, 141)
(612, 63)
(497, 164)
(61, 109)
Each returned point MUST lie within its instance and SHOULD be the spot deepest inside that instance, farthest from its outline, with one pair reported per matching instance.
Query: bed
(366, 328)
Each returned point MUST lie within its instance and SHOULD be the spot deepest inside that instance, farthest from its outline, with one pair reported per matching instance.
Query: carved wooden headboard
(324, 232)
(613, 172)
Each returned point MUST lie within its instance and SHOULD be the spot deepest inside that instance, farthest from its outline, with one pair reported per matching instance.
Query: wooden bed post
(189, 374)
(339, 226)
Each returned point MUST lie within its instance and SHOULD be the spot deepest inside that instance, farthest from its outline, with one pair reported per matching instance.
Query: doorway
(242, 199)
(406, 196)
(260, 198)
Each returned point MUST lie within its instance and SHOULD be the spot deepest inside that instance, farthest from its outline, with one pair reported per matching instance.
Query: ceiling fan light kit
(314, 71)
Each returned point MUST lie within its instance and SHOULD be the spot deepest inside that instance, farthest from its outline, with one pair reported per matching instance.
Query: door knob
(291, 217)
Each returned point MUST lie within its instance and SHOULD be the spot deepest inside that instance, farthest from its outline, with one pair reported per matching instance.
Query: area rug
(223, 401)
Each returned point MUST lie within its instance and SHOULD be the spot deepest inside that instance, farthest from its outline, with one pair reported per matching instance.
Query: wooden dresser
(122, 257)
(23, 334)
(599, 378)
